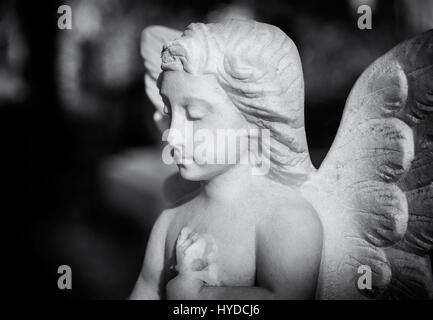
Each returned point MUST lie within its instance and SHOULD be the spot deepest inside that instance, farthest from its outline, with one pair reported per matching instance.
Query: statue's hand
(195, 257)
(184, 287)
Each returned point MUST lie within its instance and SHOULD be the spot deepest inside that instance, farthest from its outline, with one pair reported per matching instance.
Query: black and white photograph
(204, 150)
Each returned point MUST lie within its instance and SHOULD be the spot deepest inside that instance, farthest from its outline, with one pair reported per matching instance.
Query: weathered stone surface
(373, 192)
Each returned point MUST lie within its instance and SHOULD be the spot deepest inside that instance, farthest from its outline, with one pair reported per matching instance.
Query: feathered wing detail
(374, 190)
(152, 40)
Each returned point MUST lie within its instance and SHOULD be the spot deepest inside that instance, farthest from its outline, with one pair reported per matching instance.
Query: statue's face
(199, 110)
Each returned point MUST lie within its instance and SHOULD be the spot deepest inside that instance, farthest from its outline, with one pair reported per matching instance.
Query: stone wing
(374, 190)
(152, 40)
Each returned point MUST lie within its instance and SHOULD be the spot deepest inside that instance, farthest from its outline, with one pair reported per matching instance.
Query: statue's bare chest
(233, 239)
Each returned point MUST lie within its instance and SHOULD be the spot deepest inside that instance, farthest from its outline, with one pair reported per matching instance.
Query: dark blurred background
(82, 165)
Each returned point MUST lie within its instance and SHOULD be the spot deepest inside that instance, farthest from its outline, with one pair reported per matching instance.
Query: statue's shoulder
(293, 212)
(293, 229)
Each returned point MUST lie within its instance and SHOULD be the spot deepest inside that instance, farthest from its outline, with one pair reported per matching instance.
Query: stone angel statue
(295, 232)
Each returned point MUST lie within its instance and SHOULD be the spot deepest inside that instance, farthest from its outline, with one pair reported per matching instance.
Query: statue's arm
(150, 282)
(289, 250)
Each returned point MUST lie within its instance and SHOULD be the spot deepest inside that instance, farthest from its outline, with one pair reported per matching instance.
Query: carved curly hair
(259, 67)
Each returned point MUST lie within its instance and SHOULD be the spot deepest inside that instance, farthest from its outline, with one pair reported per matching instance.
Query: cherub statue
(294, 232)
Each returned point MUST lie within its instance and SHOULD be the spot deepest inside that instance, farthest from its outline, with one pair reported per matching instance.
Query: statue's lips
(183, 161)
(179, 158)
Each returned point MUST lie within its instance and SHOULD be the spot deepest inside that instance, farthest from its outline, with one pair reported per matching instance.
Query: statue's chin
(195, 172)
(189, 173)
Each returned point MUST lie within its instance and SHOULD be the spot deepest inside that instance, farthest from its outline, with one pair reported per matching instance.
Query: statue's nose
(175, 138)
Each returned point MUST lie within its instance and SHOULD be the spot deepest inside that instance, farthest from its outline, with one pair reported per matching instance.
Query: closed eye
(197, 109)
(196, 112)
